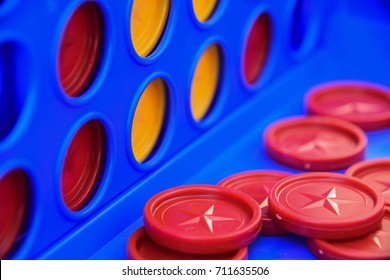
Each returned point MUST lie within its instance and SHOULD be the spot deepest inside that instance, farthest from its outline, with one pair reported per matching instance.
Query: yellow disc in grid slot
(147, 23)
(205, 82)
(204, 8)
(148, 119)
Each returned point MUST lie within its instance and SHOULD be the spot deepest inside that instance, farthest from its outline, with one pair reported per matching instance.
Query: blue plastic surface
(328, 40)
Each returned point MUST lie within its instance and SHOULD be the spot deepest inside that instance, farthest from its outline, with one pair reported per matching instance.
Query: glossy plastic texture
(326, 206)
(364, 104)
(258, 184)
(342, 40)
(315, 143)
(374, 246)
(141, 247)
(202, 219)
(375, 172)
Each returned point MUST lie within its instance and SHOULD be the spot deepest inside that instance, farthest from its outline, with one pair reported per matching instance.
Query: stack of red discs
(342, 217)
(258, 184)
(338, 213)
(375, 245)
(196, 222)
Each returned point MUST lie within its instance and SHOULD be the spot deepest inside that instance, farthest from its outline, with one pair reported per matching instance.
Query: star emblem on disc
(315, 143)
(376, 172)
(373, 246)
(364, 104)
(326, 206)
(257, 184)
(202, 219)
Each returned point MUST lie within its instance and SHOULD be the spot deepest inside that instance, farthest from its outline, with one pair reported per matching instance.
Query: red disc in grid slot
(83, 165)
(326, 206)
(373, 246)
(258, 184)
(80, 47)
(141, 247)
(376, 173)
(257, 48)
(202, 219)
(315, 143)
(14, 197)
(364, 104)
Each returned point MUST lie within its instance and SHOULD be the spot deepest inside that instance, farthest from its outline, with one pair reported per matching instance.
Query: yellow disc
(147, 23)
(205, 82)
(204, 8)
(148, 119)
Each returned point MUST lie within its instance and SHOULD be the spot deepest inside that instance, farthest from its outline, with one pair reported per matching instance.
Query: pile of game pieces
(343, 216)
(196, 222)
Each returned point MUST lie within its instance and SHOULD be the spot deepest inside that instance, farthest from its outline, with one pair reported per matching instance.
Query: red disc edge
(313, 108)
(166, 237)
(315, 164)
(134, 254)
(322, 249)
(280, 214)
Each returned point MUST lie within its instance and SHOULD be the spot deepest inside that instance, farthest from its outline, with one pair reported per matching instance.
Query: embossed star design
(208, 217)
(317, 145)
(356, 107)
(380, 238)
(264, 203)
(384, 182)
(328, 200)
(262, 196)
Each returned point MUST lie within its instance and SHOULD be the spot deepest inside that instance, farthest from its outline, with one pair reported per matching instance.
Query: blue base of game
(353, 44)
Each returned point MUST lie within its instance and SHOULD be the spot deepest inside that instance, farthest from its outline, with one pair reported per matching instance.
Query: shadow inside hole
(12, 93)
(301, 22)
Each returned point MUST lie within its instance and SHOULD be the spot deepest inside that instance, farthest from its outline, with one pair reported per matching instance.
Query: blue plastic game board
(311, 42)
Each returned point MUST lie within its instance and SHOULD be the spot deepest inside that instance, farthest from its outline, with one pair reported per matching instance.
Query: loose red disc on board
(83, 165)
(315, 143)
(364, 104)
(202, 219)
(376, 173)
(257, 184)
(80, 47)
(141, 247)
(326, 206)
(14, 196)
(374, 246)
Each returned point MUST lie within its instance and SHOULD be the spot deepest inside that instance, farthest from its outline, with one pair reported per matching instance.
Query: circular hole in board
(80, 49)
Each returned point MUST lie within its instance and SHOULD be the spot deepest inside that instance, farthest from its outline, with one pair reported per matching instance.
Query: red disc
(83, 165)
(365, 104)
(257, 184)
(326, 206)
(315, 143)
(80, 48)
(376, 173)
(202, 219)
(14, 196)
(141, 247)
(374, 246)
(257, 48)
